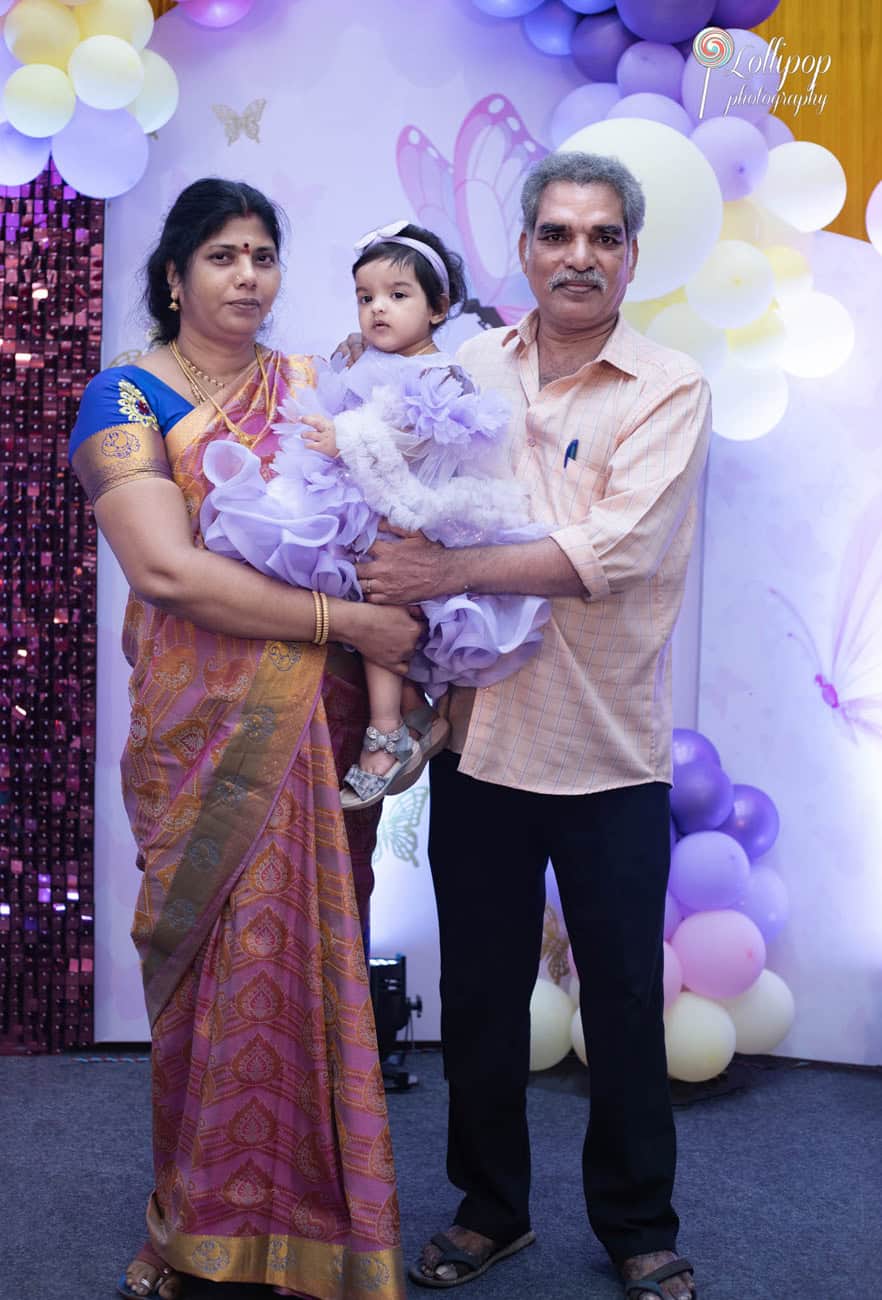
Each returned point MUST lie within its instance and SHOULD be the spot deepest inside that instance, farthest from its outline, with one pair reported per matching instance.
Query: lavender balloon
(590, 6)
(103, 172)
(744, 87)
(737, 152)
(665, 20)
(598, 44)
(217, 13)
(673, 914)
(654, 108)
(742, 13)
(766, 901)
(701, 797)
(22, 157)
(691, 746)
(550, 28)
(649, 66)
(506, 8)
(774, 131)
(708, 870)
(753, 821)
(581, 107)
(721, 953)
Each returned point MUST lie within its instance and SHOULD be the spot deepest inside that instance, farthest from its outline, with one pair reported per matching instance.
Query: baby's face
(393, 311)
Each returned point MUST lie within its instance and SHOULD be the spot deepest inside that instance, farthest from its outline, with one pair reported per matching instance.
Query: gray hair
(584, 169)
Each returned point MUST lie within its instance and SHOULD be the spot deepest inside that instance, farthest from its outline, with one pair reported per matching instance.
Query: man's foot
(149, 1275)
(473, 1243)
(678, 1287)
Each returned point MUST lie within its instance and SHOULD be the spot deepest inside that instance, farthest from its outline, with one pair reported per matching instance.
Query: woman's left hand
(406, 571)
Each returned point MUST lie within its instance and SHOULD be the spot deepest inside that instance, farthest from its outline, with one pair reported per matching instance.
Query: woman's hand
(387, 637)
(322, 435)
(350, 349)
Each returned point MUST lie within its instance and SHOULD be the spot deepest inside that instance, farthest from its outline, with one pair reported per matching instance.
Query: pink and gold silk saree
(271, 1142)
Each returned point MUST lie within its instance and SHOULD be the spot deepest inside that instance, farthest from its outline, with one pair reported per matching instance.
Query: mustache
(593, 277)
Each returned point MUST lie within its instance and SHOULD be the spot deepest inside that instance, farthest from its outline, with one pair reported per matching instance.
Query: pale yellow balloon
(41, 31)
(39, 99)
(107, 72)
(741, 220)
(642, 314)
(551, 1015)
(130, 20)
(699, 1038)
(159, 96)
(681, 328)
(819, 335)
(733, 286)
(792, 271)
(763, 1015)
(577, 1036)
(761, 343)
(773, 230)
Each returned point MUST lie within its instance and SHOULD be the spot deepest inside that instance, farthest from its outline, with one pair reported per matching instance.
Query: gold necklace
(191, 373)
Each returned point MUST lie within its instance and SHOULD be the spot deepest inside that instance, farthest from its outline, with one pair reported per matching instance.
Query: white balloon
(761, 343)
(763, 1015)
(699, 1038)
(159, 96)
(641, 314)
(792, 271)
(577, 1035)
(107, 72)
(679, 327)
(747, 401)
(819, 335)
(684, 206)
(733, 286)
(551, 1015)
(804, 185)
(574, 989)
(673, 975)
(874, 218)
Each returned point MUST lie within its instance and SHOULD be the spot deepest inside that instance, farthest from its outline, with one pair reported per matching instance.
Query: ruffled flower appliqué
(438, 406)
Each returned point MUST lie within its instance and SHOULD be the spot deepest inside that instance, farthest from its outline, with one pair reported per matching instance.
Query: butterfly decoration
(398, 826)
(555, 946)
(245, 123)
(473, 203)
(850, 680)
(127, 358)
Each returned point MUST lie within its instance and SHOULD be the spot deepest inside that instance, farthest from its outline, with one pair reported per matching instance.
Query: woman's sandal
(147, 1255)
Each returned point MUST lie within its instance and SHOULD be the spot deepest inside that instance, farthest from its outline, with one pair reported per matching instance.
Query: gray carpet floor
(779, 1185)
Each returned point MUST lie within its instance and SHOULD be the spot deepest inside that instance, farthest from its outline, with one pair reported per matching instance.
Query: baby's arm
(321, 435)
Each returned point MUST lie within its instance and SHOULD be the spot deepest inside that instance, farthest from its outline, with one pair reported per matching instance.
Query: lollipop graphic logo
(713, 47)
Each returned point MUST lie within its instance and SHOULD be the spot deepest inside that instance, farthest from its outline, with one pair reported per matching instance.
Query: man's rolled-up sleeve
(651, 477)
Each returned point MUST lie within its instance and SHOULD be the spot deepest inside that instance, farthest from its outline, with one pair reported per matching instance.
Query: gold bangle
(322, 618)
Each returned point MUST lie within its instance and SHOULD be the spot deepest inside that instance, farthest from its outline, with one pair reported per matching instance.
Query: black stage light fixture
(392, 1012)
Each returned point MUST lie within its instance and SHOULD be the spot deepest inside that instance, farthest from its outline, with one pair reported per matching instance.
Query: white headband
(389, 235)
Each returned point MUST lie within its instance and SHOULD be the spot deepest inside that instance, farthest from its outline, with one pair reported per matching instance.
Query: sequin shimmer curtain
(51, 246)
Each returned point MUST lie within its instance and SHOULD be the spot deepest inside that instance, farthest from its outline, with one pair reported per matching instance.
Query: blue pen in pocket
(570, 453)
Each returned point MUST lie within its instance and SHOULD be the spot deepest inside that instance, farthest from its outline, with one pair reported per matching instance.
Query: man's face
(578, 262)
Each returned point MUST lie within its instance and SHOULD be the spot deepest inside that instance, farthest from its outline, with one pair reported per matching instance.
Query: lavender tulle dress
(417, 444)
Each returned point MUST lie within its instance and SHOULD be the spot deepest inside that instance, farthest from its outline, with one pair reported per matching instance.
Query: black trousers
(489, 846)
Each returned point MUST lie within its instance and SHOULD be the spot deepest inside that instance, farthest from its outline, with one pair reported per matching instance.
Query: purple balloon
(742, 13)
(649, 66)
(689, 746)
(737, 152)
(22, 157)
(708, 870)
(774, 131)
(701, 797)
(673, 915)
(654, 108)
(598, 44)
(105, 171)
(506, 8)
(217, 13)
(550, 28)
(744, 87)
(665, 20)
(753, 821)
(581, 107)
(590, 6)
(765, 900)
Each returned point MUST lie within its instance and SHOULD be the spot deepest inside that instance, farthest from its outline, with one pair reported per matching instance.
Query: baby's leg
(384, 694)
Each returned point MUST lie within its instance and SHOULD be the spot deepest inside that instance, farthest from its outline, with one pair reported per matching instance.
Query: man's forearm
(537, 568)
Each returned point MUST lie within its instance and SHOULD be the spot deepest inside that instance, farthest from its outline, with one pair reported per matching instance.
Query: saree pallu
(271, 1142)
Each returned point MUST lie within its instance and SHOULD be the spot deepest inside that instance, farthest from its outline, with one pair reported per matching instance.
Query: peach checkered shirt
(593, 710)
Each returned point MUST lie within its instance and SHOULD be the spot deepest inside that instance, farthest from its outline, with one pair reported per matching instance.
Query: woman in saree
(273, 1161)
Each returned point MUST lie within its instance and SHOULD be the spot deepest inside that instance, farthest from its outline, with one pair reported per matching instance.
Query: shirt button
(531, 442)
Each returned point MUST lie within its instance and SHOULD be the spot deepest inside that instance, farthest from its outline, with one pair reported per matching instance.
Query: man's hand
(321, 435)
(407, 570)
(350, 349)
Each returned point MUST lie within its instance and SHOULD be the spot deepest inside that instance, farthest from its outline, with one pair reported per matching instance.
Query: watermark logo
(714, 48)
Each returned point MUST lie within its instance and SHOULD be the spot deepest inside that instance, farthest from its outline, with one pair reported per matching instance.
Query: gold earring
(173, 305)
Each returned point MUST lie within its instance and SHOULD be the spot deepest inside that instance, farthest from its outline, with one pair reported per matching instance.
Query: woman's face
(231, 282)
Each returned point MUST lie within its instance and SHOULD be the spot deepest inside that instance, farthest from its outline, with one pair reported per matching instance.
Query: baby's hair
(426, 275)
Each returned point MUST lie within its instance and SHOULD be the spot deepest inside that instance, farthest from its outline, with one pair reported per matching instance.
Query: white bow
(382, 232)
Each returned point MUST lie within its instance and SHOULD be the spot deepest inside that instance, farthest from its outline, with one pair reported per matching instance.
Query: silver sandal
(367, 788)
